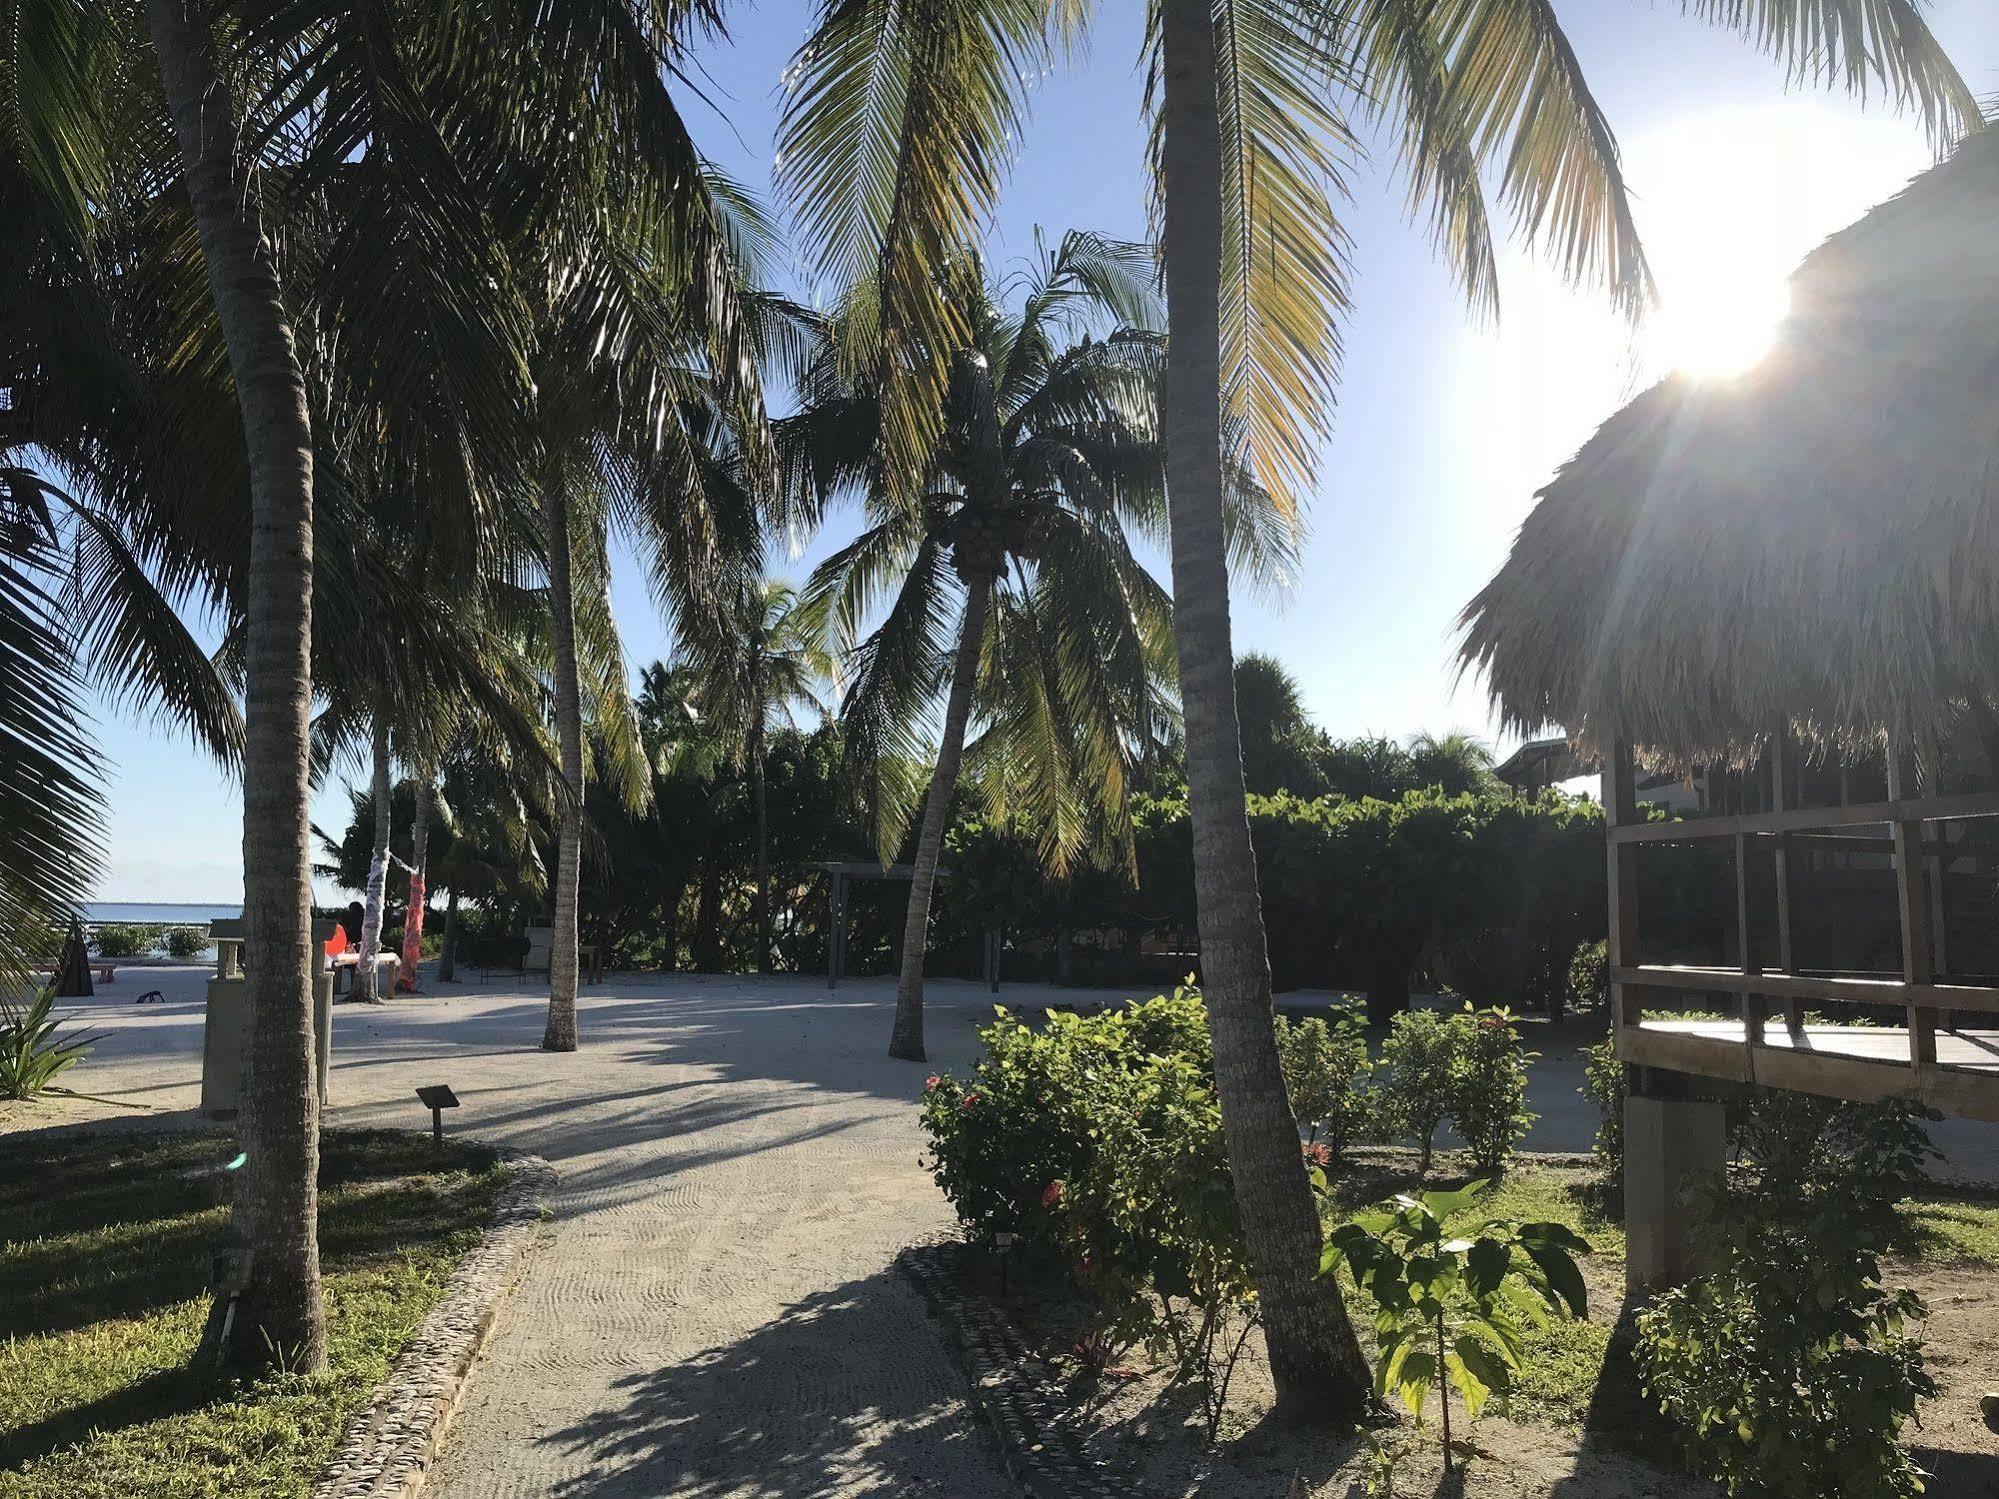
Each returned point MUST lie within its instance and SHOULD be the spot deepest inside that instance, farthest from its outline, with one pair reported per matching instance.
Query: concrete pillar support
(1668, 1142)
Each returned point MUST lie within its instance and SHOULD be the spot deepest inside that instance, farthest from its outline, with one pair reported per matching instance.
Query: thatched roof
(1816, 541)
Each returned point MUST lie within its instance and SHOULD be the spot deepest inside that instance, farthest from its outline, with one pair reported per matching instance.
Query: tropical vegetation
(365, 334)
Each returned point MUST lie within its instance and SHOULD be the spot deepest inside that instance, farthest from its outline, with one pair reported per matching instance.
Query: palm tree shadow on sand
(848, 1391)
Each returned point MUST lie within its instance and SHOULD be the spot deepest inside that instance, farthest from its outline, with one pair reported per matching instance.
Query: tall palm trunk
(906, 1041)
(413, 912)
(707, 953)
(367, 981)
(561, 1032)
(1314, 1357)
(761, 802)
(447, 957)
(279, 1315)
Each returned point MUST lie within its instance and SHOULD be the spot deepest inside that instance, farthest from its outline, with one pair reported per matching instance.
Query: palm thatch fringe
(1815, 542)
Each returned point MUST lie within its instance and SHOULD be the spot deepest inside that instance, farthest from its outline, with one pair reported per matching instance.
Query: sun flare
(1720, 325)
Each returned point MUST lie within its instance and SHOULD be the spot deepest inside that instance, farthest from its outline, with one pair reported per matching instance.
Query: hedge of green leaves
(1487, 892)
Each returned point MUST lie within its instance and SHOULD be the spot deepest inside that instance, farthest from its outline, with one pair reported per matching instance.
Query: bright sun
(1718, 324)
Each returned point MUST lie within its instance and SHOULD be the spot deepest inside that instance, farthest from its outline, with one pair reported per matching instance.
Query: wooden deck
(1862, 1063)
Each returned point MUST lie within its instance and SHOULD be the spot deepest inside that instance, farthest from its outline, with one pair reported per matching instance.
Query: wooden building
(1788, 582)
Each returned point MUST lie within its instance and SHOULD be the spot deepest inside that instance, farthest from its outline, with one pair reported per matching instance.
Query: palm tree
(1469, 81)
(1456, 761)
(756, 667)
(1046, 449)
(425, 138)
(676, 488)
(894, 147)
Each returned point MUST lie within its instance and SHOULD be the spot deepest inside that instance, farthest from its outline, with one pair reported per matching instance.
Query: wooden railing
(1917, 862)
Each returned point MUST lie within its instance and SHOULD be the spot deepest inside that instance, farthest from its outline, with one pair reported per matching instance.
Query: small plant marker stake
(437, 1098)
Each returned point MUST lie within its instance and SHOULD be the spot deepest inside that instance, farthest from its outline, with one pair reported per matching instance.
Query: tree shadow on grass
(106, 1226)
(848, 1391)
(167, 1392)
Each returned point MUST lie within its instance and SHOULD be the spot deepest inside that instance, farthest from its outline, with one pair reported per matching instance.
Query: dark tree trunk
(561, 1032)
(759, 797)
(906, 1041)
(447, 958)
(707, 953)
(280, 1317)
(1314, 1357)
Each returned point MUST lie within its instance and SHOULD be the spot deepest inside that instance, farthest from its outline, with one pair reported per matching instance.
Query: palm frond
(50, 794)
(896, 137)
(1858, 44)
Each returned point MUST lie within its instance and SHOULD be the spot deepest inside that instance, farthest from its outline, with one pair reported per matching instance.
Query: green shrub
(1589, 977)
(1421, 1056)
(1326, 1070)
(1489, 1087)
(32, 1056)
(184, 941)
(124, 939)
(1097, 1142)
(1603, 1085)
(1791, 1368)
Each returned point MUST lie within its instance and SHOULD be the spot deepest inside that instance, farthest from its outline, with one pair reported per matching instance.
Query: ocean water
(161, 912)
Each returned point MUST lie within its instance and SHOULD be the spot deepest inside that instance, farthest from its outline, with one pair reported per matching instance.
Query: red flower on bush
(1051, 1194)
(967, 1101)
(1319, 1155)
(930, 1083)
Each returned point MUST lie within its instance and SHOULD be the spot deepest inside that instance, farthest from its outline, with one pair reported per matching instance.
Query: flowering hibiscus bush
(1097, 1142)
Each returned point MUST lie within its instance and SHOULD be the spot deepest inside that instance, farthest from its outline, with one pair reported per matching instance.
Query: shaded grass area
(106, 1244)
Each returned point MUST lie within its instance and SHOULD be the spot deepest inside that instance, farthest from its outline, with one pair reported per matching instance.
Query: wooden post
(1913, 898)
(1783, 793)
(1936, 864)
(836, 933)
(1752, 1004)
(1620, 808)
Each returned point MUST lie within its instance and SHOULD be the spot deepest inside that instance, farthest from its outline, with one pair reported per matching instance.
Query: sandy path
(713, 1313)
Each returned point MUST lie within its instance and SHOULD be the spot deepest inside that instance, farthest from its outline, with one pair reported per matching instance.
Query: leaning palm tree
(895, 146)
(754, 668)
(1047, 448)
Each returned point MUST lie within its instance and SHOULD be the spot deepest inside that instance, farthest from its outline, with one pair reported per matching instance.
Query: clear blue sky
(1445, 429)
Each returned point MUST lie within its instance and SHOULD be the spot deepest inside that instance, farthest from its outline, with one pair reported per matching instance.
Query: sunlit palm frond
(1286, 152)
(1405, 78)
(1860, 44)
(898, 131)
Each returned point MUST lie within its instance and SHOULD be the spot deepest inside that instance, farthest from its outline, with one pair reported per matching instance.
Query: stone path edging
(1039, 1443)
(390, 1443)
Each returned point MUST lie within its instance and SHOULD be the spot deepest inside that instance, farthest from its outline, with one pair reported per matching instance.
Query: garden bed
(105, 1247)
(1575, 1425)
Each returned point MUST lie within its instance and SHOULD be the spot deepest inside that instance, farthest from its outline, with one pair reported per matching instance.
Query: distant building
(1541, 763)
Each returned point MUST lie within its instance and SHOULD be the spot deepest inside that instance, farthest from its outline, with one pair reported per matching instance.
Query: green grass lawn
(105, 1248)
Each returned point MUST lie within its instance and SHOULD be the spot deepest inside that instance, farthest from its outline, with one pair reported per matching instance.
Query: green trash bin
(225, 1029)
